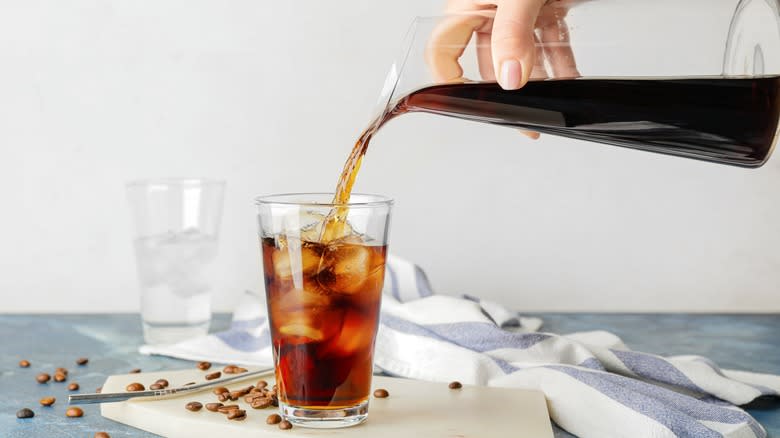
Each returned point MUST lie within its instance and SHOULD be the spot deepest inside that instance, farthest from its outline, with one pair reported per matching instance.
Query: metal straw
(82, 399)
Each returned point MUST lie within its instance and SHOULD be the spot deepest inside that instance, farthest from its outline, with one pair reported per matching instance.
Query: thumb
(513, 47)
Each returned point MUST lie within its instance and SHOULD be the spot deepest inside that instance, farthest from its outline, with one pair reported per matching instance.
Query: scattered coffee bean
(240, 370)
(285, 425)
(42, 378)
(135, 386)
(99, 390)
(47, 401)
(102, 435)
(229, 369)
(260, 403)
(262, 384)
(25, 413)
(156, 387)
(273, 419)
(24, 363)
(134, 371)
(236, 414)
(82, 361)
(213, 406)
(162, 382)
(227, 408)
(219, 390)
(455, 385)
(59, 377)
(73, 387)
(74, 412)
(274, 401)
(381, 393)
(194, 406)
(61, 371)
(225, 396)
(213, 376)
(203, 366)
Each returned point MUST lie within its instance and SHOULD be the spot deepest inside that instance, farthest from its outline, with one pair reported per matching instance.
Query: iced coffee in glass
(324, 266)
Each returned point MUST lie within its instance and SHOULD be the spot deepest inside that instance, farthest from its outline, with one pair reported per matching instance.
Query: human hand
(514, 38)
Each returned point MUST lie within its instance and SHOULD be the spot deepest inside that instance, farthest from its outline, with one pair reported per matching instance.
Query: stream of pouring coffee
(730, 121)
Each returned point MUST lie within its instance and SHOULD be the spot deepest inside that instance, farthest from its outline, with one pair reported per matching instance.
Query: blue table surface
(748, 342)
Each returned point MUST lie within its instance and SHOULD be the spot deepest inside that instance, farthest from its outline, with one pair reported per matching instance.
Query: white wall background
(270, 97)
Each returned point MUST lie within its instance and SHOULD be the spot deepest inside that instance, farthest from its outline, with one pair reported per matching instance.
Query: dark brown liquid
(323, 303)
(726, 121)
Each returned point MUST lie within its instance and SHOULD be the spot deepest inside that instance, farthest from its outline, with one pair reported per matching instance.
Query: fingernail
(511, 74)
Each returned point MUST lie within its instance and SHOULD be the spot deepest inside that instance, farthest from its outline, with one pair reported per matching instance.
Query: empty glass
(177, 230)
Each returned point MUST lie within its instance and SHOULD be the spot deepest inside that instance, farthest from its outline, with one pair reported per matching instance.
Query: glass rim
(304, 199)
(175, 182)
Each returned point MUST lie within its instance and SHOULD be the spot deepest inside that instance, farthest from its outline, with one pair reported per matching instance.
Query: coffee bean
(285, 425)
(203, 366)
(194, 406)
(102, 435)
(74, 412)
(135, 386)
(59, 377)
(162, 382)
(82, 361)
(219, 390)
(262, 384)
(24, 363)
(381, 393)
(47, 401)
(134, 371)
(213, 406)
(42, 378)
(225, 396)
(188, 384)
(274, 400)
(25, 413)
(227, 408)
(61, 371)
(213, 376)
(260, 403)
(99, 390)
(73, 387)
(273, 419)
(240, 370)
(229, 369)
(156, 387)
(237, 415)
(455, 385)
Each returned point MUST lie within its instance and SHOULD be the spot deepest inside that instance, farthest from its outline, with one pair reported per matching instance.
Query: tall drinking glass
(177, 230)
(323, 303)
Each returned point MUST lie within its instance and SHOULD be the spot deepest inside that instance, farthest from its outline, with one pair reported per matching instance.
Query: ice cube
(301, 330)
(299, 299)
(295, 259)
(356, 335)
(306, 314)
(345, 267)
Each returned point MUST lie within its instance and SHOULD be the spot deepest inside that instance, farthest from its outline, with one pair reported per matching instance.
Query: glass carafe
(697, 79)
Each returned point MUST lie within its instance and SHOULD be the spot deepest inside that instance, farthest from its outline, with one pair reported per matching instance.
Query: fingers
(447, 43)
(533, 135)
(554, 35)
(484, 58)
(513, 41)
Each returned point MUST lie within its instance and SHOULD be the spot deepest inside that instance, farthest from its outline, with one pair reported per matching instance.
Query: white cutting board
(414, 409)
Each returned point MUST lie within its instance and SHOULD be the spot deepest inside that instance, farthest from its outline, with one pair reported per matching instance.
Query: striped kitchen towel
(595, 385)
